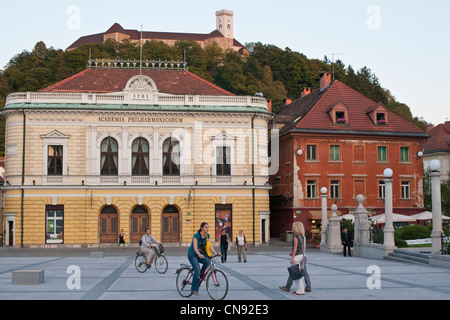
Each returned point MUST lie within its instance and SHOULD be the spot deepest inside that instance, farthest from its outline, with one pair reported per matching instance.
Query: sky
(404, 43)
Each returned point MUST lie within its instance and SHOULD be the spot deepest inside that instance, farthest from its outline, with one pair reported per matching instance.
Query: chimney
(287, 101)
(305, 92)
(269, 105)
(428, 128)
(325, 79)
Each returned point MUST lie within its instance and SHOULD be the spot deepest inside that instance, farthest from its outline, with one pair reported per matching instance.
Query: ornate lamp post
(389, 242)
(435, 175)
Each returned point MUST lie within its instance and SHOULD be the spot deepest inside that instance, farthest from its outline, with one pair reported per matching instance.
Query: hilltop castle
(222, 35)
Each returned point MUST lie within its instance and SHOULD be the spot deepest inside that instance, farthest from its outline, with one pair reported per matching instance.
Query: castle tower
(224, 23)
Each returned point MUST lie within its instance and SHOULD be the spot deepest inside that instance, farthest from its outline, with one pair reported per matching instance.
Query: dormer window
(338, 113)
(379, 114)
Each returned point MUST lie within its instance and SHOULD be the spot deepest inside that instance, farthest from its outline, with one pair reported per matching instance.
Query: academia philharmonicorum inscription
(140, 119)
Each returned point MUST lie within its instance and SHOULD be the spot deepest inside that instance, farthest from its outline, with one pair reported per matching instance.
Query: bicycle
(216, 280)
(159, 260)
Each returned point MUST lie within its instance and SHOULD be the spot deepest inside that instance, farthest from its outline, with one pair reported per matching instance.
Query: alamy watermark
(74, 280)
(73, 22)
(374, 281)
(374, 20)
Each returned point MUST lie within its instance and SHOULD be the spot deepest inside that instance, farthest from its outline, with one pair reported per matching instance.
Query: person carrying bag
(298, 257)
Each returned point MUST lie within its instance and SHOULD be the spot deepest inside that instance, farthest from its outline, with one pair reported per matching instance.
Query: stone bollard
(97, 254)
(28, 277)
(362, 225)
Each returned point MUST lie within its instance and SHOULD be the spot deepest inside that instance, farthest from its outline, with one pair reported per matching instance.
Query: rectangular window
(311, 187)
(381, 190)
(55, 161)
(404, 154)
(406, 190)
(334, 189)
(223, 163)
(311, 152)
(359, 187)
(340, 117)
(335, 153)
(54, 224)
(382, 154)
(358, 153)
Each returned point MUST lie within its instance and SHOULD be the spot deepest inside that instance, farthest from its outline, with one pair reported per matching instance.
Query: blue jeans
(195, 262)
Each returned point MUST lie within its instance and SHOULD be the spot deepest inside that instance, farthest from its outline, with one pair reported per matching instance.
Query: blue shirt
(199, 242)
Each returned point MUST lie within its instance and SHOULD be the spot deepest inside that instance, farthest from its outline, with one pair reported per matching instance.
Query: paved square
(114, 277)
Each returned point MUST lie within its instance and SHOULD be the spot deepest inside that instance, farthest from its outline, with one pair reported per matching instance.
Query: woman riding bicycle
(146, 245)
(197, 255)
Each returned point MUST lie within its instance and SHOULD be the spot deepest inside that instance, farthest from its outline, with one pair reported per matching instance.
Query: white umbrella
(395, 218)
(427, 215)
(348, 216)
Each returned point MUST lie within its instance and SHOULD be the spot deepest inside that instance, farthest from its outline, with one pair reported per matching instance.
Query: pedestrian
(197, 254)
(289, 281)
(121, 238)
(241, 246)
(346, 242)
(224, 238)
(298, 256)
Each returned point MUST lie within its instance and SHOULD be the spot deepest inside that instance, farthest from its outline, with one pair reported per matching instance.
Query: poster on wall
(223, 220)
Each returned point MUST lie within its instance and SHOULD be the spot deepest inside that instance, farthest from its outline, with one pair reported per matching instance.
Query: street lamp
(435, 165)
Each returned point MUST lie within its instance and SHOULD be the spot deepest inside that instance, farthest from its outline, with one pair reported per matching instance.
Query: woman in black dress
(121, 238)
(224, 245)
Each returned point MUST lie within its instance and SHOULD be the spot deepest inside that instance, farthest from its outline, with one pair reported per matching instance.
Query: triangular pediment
(55, 134)
(223, 136)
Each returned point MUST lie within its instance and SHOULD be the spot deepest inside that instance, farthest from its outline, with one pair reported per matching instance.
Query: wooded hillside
(277, 73)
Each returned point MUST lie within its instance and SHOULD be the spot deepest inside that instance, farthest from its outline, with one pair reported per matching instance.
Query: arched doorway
(170, 224)
(140, 220)
(109, 225)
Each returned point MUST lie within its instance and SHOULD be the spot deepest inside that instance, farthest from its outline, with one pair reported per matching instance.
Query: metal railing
(445, 244)
(376, 235)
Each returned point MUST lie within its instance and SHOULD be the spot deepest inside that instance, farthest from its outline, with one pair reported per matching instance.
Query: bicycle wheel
(184, 282)
(217, 285)
(140, 263)
(161, 264)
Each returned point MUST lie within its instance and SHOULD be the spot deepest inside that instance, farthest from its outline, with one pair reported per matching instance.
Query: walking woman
(224, 238)
(197, 255)
(298, 253)
(241, 246)
(121, 238)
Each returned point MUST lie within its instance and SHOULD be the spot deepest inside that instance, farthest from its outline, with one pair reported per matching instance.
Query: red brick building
(335, 137)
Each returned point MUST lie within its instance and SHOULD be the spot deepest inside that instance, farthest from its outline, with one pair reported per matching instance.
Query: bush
(399, 242)
(412, 232)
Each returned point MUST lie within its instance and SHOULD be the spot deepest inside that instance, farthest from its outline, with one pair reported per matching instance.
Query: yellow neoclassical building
(119, 147)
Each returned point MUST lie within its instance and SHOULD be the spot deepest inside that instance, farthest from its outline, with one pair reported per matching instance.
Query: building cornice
(134, 100)
(421, 135)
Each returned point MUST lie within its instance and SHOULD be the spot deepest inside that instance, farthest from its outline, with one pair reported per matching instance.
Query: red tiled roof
(115, 80)
(136, 35)
(310, 112)
(439, 139)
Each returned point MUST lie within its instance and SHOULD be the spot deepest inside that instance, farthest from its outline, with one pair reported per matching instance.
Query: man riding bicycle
(147, 242)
